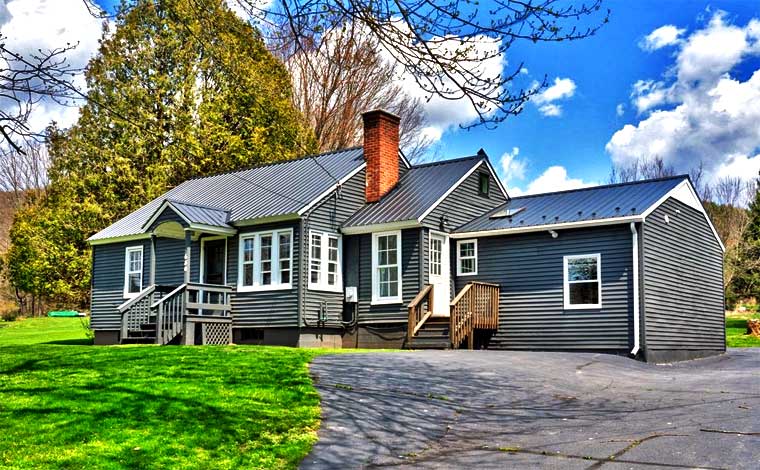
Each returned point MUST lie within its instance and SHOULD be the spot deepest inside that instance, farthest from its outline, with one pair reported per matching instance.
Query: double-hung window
(325, 261)
(583, 285)
(386, 267)
(133, 271)
(467, 257)
(265, 260)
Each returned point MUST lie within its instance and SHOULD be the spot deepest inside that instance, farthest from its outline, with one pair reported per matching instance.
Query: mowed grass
(77, 406)
(736, 329)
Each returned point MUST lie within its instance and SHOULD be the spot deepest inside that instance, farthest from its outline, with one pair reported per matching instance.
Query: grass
(69, 405)
(736, 329)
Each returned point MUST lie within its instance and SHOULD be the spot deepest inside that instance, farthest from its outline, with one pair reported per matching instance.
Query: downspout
(635, 261)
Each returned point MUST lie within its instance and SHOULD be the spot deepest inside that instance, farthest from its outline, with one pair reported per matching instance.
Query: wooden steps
(434, 334)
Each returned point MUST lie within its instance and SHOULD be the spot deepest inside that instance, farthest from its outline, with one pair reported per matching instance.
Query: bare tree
(442, 45)
(335, 80)
(641, 169)
(25, 81)
(23, 170)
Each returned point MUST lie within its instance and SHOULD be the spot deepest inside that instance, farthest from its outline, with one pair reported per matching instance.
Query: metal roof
(196, 214)
(416, 192)
(262, 191)
(578, 205)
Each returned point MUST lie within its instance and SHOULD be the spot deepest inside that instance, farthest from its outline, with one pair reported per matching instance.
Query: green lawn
(70, 405)
(736, 327)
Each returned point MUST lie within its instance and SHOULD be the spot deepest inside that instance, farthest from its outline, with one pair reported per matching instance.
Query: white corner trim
(685, 193)
(449, 191)
(332, 188)
(381, 227)
(376, 299)
(566, 283)
(545, 227)
(635, 264)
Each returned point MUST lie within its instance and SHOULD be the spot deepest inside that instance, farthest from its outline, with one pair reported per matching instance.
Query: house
(358, 248)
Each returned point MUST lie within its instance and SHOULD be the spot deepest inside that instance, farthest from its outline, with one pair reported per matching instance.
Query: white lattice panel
(216, 333)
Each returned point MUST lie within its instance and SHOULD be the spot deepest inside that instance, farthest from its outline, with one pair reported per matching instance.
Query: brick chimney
(381, 152)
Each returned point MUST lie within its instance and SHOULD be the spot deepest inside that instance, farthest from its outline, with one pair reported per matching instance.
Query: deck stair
(475, 307)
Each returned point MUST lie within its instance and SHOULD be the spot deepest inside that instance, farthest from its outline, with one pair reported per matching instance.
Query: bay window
(265, 260)
(325, 261)
(386, 267)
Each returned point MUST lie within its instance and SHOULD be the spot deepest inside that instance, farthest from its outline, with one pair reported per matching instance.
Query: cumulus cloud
(30, 25)
(663, 36)
(561, 89)
(620, 109)
(511, 166)
(699, 112)
(554, 178)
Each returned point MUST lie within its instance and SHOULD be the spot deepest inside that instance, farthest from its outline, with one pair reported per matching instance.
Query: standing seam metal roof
(415, 193)
(201, 214)
(585, 204)
(262, 191)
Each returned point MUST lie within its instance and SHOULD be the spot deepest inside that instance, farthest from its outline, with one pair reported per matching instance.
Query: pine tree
(749, 280)
(176, 91)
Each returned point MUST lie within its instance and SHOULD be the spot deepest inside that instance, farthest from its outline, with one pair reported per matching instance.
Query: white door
(439, 273)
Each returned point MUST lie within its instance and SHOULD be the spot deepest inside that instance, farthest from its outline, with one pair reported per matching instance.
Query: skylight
(507, 213)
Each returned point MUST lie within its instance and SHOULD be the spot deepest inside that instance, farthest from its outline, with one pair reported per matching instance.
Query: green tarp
(63, 313)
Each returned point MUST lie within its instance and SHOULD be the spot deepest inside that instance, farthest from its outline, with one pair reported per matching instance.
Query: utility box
(352, 295)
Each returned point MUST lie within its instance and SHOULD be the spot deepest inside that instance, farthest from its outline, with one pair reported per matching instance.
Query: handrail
(476, 306)
(170, 314)
(417, 317)
(140, 295)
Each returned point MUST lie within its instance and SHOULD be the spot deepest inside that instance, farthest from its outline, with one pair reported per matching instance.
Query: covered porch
(187, 299)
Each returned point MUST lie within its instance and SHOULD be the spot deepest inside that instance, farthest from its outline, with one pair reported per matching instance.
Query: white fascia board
(686, 194)
(404, 159)
(160, 209)
(122, 238)
(380, 227)
(449, 191)
(332, 188)
(213, 229)
(547, 227)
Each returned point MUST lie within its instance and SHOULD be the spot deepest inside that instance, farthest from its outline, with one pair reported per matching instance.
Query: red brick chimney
(380, 152)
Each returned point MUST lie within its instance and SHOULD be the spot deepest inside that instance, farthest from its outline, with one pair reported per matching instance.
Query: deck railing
(170, 311)
(475, 307)
(418, 314)
(135, 312)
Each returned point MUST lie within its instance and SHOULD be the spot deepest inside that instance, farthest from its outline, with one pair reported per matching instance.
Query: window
(265, 260)
(133, 271)
(325, 261)
(583, 287)
(436, 251)
(386, 267)
(467, 257)
(484, 182)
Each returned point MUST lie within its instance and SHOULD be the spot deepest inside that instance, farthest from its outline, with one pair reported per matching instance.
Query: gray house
(358, 248)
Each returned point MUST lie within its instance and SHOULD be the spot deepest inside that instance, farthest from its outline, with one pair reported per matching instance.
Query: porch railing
(170, 312)
(136, 311)
(475, 307)
(418, 315)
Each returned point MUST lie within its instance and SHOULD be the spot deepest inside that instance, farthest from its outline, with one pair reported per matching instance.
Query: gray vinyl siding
(530, 271)
(108, 282)
(170, 261)
(683, 281)
(465, 203)
(278, 308)
(328, 216)
(410, 276)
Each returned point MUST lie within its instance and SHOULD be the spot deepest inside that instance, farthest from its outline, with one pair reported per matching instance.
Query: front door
(439, 272)
(214, 260)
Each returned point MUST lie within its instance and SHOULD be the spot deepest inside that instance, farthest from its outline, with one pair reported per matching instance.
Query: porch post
(152, 259)
(188, 245)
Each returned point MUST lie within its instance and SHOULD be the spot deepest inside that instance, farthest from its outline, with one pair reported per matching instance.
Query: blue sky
(696, 95)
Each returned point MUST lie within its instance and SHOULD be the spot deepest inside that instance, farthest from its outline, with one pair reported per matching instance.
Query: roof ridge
(264, 165)
(450, 160)
(602, 186)
(202, 206)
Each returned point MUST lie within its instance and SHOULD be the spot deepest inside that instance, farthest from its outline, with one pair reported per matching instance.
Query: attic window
(507, 213)
(484, 183)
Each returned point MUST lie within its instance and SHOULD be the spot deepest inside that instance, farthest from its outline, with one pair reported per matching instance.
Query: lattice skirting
(216, 333)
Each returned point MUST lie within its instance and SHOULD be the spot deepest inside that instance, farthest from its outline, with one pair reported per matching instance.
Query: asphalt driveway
(501, 409)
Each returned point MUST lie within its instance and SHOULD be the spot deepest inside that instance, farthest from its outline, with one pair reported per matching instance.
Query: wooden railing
(136, 311)
(170, 311)
(209, 298)
(475, 307)
(417, 314)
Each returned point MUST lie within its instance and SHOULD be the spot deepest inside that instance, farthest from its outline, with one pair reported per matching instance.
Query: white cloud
(711, 117)
(554, 178)
(511, 167)
(30, 25)
(563, 88)
(663, 36)
(620, 109)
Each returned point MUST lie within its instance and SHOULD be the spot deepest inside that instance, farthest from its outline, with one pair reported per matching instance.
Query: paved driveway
(494, 409)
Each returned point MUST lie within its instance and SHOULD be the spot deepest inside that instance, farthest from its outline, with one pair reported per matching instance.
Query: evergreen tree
(176, 91)
(749, 281)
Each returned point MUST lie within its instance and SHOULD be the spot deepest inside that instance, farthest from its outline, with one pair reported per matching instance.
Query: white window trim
(460, 258)
(566, 282)
(376, 299)
(324, 262)
(275, 260)
(127, 272)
